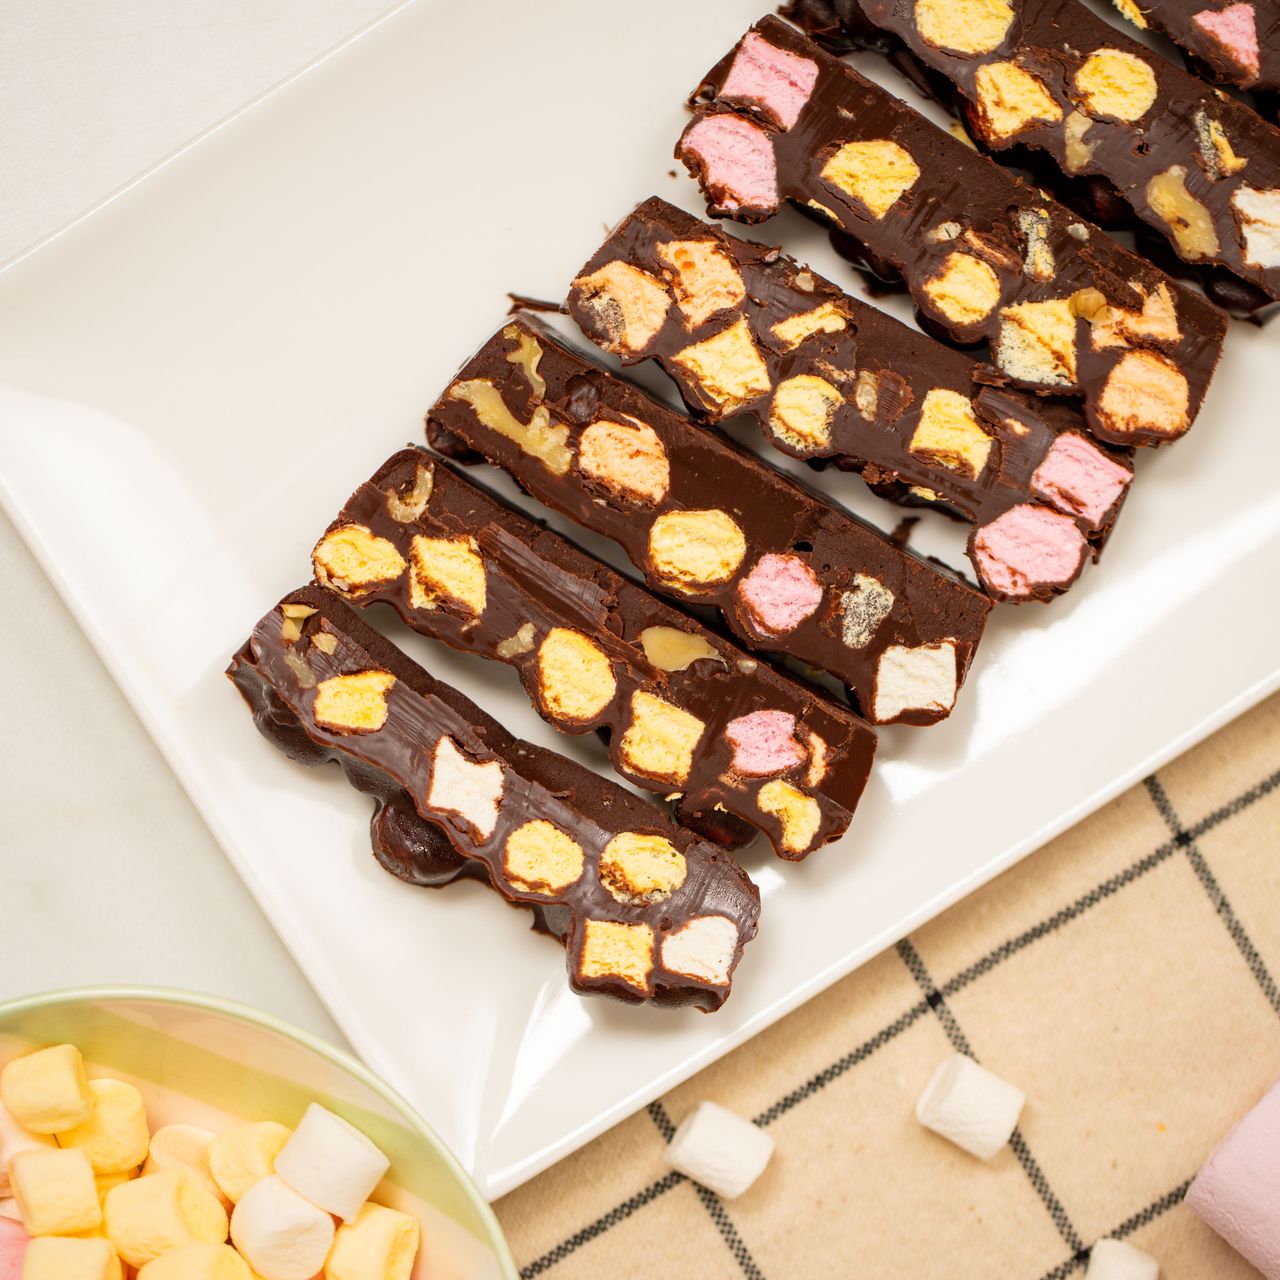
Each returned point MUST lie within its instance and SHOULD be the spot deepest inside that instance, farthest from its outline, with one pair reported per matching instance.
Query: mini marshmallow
(106, 1181)
(378, 1244)
(149, 1216)
(331, 1163)
(13, 1247)
(1115, 1260)
(115, 1137)
(55, 1192)
(14, 1138)
(244, 1156)
(198, 1262)
(1235, 1192)
(970, 1106)
(187, 1146)
(282, 1235)
(720, 1150)
(46, 1091)
(56, 1259)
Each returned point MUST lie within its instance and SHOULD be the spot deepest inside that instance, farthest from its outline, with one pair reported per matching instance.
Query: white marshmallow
(281, 1235)
(915, 679)
(970, 1106)
(703, 948)
(331, 1163)
(472, 791)
(720, 1150)
(1260, 221)
(1115, 1260)
(14, 1138)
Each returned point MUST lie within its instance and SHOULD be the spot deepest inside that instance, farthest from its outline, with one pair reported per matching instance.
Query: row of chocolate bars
(655, 909)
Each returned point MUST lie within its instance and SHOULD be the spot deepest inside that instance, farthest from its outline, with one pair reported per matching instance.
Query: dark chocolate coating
(536, 579)
(774, 513)
(1052, 39)
(959, 188)
(393, 764)
(906, 364)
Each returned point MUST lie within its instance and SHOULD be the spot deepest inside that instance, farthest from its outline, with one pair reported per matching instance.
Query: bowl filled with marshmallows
(171, 1136)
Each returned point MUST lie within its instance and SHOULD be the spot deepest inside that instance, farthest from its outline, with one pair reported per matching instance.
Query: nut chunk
(607, 874)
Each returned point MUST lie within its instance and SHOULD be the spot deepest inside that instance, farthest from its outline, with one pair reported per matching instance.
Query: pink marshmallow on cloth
(774, 79)
(1028, 548)
(1077, 477)
(1235, 28)
(1237, 1193)
(737, 161)
(764, 742)
(13, 1248)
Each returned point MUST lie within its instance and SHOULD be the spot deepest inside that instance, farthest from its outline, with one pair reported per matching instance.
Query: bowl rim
(339, 1057)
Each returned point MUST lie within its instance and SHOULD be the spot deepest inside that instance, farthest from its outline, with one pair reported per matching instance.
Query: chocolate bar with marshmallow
(837, 378)
(1236, 43)
(709, 523)
(1064, 308)
(647, 911)
(684, 712)
(1198, 166)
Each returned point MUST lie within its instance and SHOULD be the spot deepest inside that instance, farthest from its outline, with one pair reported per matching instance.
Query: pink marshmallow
(1026, 548)
(1236, 1192)
(778, 81)
(1077, 477)
(13, 1248)
(764, 743)
(780, 592)
(737, 161)
(1235, 28)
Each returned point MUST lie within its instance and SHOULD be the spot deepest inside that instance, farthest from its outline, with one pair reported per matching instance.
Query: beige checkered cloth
(1124, 977)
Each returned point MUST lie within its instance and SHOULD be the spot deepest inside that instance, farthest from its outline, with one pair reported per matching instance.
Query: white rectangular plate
(199, 374)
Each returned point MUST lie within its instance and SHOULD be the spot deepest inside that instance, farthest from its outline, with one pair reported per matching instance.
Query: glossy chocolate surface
(963, 202)
(883, 370)
(279, 677)
(931, 608)
(537, 582)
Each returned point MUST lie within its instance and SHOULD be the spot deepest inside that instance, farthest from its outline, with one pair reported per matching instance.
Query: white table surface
(107, 874)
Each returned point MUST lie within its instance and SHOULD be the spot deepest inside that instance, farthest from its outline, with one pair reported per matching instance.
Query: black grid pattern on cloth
(935, 1000)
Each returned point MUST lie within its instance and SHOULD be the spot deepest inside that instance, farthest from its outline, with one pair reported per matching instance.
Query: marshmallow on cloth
(149, 1216)
(379, 1244)
(1238, 1192)
(115, 1137)
(198, 1262)
(241, 1158)
(331, 1163)
(1115, 1260)
(55, 1191)
(14, 1138)
(46, 1091)
(13, 1247)
(720, 1150)
(54, 1258)
(970, 1106)
(282, 1235)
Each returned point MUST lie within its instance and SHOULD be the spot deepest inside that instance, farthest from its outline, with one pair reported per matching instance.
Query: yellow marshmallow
(198, 1262)
(46, 1091)
(185, 1145)
(378, 1244)
(240, 1157)
(14, 1138)
(150, 1216)
(55, 1259)
(115, 1136)
(55, 1191)
(105, 1181)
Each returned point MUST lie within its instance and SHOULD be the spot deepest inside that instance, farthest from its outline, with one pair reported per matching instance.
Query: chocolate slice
(711, 524)
(646, 910)
(684, 711)
(1065, 309)
(849, 382)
